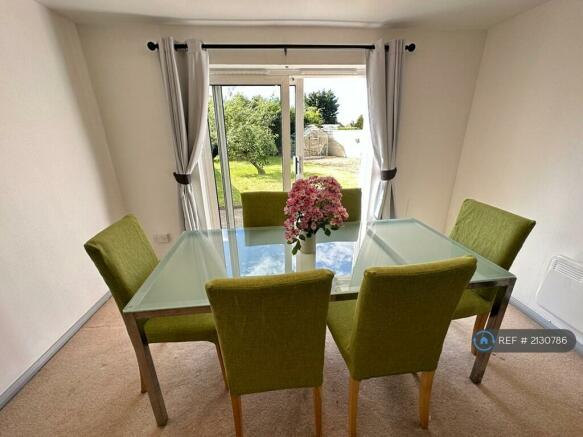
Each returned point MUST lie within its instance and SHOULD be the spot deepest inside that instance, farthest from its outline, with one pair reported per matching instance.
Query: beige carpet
(91, 387)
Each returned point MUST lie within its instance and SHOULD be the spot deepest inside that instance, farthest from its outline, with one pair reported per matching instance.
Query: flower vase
(308, 244)
(305, 262)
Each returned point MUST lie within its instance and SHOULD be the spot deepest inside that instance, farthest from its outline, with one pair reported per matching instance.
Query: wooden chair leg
(220, 355)
(143, 388)
(479, 324)
(147, 370)
(425, 397)
(318, 410)
(236, 403)
(353, 388)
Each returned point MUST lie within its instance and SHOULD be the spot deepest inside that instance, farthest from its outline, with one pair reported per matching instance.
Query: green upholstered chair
(495, 234)
(352, 199)
(272, 331)
(124, 257)
(265, 208)
(398, 324)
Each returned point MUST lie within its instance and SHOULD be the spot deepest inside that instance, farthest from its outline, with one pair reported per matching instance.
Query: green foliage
(327, 103)
(250, 126)
(270, 114)
(313, 115)
(244, 177)
(253, 125)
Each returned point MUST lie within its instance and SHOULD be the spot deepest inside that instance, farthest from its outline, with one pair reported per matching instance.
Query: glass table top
(199, 256)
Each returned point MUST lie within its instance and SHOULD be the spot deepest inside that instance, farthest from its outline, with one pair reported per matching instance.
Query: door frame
(298, 81)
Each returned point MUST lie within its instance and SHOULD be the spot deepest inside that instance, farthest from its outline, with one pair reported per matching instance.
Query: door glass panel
(246, 142)
(252, 123)
(334, 134)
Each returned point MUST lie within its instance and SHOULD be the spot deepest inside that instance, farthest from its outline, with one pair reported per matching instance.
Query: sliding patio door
(250, 142)
(265, 132)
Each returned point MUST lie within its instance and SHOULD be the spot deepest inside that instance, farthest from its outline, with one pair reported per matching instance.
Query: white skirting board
(547, 324)
(29, 373)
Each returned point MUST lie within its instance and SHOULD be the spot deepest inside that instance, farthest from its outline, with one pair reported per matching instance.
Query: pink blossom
(313, 203)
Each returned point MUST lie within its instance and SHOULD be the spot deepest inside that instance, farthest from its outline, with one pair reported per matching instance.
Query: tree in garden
(247, 125)
(326, 102)
(253, 125)
(312, 115)
(269, 113)
(359, 123)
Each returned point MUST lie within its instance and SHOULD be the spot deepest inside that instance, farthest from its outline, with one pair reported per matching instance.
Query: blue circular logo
(484, 341)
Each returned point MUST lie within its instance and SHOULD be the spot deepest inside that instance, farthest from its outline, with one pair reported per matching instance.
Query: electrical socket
(162, 238)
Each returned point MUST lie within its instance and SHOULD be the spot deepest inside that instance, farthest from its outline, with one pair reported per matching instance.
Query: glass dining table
(177, 284)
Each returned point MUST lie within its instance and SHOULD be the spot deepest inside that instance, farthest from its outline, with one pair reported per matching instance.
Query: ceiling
(446, 14)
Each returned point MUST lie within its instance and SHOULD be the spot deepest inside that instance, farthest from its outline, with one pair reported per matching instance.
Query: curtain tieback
(387, 175)
(182, 179)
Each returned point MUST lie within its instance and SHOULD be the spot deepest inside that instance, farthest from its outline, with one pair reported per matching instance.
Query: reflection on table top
(198, 256)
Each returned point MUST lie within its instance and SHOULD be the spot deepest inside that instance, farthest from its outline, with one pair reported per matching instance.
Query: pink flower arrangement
(313, 203)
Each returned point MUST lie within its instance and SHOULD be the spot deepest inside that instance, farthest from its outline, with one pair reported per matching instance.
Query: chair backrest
(492, 232)
(402, 315)
(265, 208)
(124, 257)
(272, 329)
(352, 200)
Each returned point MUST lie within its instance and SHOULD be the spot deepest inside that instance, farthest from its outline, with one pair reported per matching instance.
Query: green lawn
(244, 177)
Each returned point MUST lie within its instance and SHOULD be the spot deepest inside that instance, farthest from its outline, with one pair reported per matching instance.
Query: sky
(351, 93)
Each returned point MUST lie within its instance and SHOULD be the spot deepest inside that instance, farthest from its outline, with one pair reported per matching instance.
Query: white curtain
(188, 117)
(383, 82)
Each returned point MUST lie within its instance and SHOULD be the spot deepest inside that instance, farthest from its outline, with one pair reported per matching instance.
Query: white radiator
(561, 292)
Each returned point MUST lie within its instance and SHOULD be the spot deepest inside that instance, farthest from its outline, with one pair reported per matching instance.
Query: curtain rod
(153, 46)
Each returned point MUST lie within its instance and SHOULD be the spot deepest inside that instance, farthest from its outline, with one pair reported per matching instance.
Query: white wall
(523, 149)
(58, 185)
(438, 87)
